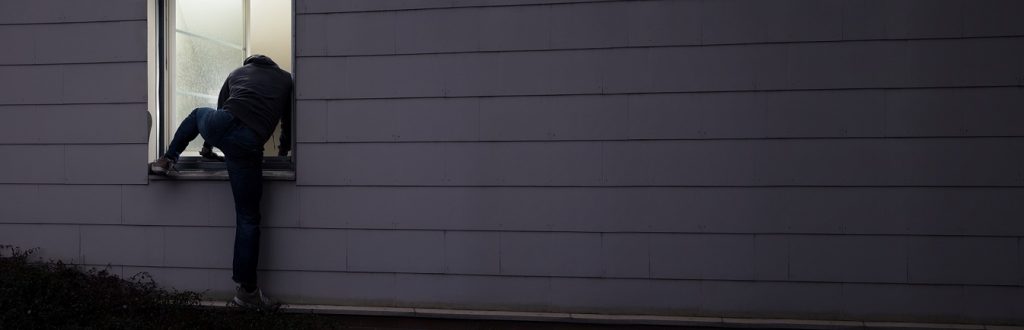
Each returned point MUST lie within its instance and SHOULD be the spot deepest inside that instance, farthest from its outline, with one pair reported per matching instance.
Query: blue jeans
(243, 156)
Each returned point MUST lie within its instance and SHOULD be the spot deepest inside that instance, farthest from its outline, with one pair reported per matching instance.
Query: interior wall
(270, 30)
(270, 34)
(152, 66)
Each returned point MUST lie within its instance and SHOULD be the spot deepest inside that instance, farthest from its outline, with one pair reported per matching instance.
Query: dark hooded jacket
(259, 94)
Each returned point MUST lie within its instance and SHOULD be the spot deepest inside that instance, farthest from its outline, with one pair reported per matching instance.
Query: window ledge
(196, 169)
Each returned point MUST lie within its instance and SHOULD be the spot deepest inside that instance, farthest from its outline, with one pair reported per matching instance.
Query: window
(197, 44)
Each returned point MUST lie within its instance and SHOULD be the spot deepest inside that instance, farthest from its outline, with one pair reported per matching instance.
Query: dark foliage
(37, 294)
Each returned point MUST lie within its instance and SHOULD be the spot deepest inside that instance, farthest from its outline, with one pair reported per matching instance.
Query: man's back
(259, 94)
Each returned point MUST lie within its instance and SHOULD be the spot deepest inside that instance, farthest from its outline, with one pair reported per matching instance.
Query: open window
(194, 45)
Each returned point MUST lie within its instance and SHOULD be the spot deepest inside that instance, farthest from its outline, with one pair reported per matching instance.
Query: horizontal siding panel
(648, 23)
(626, 255)
(867, 64)
(627, 71)
(91, 42)
(905, 162)
(849, 65)
(32, 164)
(590, 25)
(432, 31)
(554, 118)
(64, 11)
(771, 257)
(347, 289)
(59, 242)
(122, 83)
(905, 302)
(74, 43)
(703, 256)
(376, 76)
(964, 260)
(734, 115)
(198, 247)
(912, 19)
(304, 249)
(20, 43)
(76, 124)
(330, 6)
(472, 292)
(403, 120)
(337, 164)
(65, 204)
(106, 164)
(626, 296)
(757, 115)
(551, 254)
(748, 21)
(353, 34)
(920, 63)
(451, 164)
(31, 84)
(123, 245)
(969, 62)
(311, 121)
(993, 18)
(281, 248)
(77, 83)
(147, 204)
(721, 68)
(508, 28)
(818, 162)
(883, 211)
(395, 251)
(310, 37)
(472, 252)
(770, 299)
(993, 304)
(954, 112)
(829, 258)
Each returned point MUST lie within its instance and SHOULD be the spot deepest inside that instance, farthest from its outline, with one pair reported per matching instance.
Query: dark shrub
(37, 294)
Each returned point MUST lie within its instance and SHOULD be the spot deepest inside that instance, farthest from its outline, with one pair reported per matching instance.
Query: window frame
(191, 167)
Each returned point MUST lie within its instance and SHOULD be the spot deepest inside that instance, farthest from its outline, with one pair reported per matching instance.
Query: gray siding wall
(833, 159)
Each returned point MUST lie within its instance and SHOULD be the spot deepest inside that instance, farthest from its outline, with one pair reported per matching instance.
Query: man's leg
(187, 131)
(245, 174)
(244, 160)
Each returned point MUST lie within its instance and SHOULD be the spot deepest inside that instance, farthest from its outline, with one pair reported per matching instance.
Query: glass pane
(208, 45)
(221, 20)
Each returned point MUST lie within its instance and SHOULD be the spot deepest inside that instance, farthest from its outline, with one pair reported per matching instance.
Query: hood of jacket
(259, 59)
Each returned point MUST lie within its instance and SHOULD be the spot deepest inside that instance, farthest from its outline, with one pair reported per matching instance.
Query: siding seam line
(723, 91)
(700, 45)
(537, 4)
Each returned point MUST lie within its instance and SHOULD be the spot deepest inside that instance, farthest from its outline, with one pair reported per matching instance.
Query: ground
(44, 294)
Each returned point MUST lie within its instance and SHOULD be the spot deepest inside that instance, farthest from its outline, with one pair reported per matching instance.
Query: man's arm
(225, 91)
(286, 128)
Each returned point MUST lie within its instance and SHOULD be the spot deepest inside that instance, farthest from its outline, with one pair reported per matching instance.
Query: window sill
(196, 169)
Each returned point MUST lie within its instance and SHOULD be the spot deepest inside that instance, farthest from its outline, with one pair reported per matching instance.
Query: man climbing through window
(254, 97)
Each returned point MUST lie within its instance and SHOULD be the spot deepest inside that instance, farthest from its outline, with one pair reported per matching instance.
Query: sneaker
(208, 154)
(161, 166)
(254, 301)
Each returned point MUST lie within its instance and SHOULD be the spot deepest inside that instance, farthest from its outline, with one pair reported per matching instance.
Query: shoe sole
(235, 302)
(158, 170)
